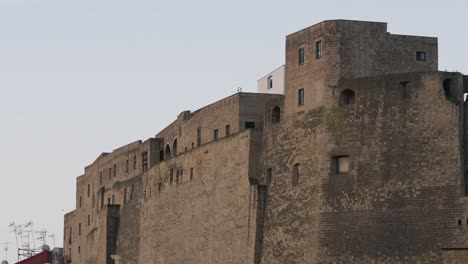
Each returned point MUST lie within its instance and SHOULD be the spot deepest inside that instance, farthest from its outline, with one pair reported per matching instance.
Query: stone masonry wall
(402, 198)
(204, 216)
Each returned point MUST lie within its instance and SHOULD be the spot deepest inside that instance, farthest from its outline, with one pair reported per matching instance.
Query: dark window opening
(448, 88)
(177, 176)
(144, 161)
(300, 97)
(134, 162)
(341, 164)
(198, 136)
(270, 82)
(347, 97)
(276, 115)
(70, 236)
(191, 173)
(318, 49)
(296, 174)
(115, 170)
(79, 249)
(193, 145)
(100, 178)
(102, 196)
(404, 89)
(215, 134)
(131, 192)
(126, 166)
(89, 189)
(249, 125)
(301, 56)
(108, 200)
(420, 56)
(269, 176)
(159, 187)
(80, 201)
(110, 173)
(161, 155)
(167, 152)
(171, 178)
(125, 196)
(459, 221)
(228, 130)
(89, 219)
(174, 147)
(79, 229)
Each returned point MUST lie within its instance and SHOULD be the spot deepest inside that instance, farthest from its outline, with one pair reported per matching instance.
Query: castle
(353, 152)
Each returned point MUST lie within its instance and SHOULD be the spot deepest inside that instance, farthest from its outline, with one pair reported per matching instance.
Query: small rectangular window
(270, 82)
(198, 136)
(301, 54)
(126, 166)
(420, 56)
(110, 173)
(228, 130)
(296, 174)
(215, 134)
(145, 161)
(161, 155)
(191, 173)
(89, 189)
(100, 178)
(341, 164)
(79, 229)
(134, 162)
(300, 97)
(89, 219)
(318, 49)
(249, 125)
(115, 170)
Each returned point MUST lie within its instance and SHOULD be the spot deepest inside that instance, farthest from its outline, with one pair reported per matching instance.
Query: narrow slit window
(215, 134)
(296, 174)
(318, 49)
(301, 56)
(300, 97)
(269, 175)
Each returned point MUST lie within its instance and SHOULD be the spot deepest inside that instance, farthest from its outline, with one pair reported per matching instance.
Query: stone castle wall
(272, 190)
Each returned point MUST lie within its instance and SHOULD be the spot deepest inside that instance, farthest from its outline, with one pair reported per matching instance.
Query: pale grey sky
(78, 78)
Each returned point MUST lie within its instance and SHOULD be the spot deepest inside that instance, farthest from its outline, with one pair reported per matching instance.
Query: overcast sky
(78, 78)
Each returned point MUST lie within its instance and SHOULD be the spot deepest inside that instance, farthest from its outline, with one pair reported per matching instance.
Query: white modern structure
(272, 83)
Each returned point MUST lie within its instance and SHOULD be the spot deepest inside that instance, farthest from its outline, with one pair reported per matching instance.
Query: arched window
(296, 174)
(276, 115)
(448, 88)
(174, 147)
(347, 97)
(167, 152)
